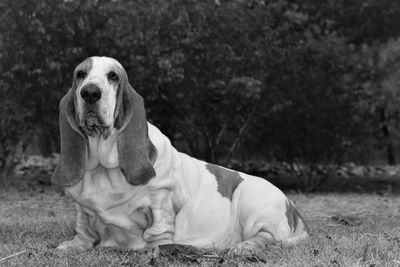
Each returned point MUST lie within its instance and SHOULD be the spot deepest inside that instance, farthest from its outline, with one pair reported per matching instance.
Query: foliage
(285, 80)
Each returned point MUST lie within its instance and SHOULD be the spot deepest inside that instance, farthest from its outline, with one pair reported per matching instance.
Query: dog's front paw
(245, 248)
(152, 252)
(72, 245)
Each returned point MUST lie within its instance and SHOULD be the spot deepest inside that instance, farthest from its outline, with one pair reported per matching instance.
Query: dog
(134, 190)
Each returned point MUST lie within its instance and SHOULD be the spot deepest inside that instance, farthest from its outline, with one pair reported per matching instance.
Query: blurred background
(302, 89)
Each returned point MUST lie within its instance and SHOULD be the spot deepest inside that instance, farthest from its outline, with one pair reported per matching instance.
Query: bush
(225, 79)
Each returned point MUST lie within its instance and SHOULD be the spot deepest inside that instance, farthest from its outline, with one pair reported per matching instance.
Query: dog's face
(97, 81)
(99, 100)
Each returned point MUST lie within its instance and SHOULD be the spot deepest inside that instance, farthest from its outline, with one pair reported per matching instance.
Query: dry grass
(347, 230)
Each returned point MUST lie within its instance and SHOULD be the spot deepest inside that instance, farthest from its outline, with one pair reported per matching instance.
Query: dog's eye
(80, 74)
(112, 76)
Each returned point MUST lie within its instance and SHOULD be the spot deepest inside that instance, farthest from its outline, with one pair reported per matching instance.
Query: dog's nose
(91, 93)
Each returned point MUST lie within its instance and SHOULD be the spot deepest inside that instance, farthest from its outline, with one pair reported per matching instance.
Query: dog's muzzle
(92, 123)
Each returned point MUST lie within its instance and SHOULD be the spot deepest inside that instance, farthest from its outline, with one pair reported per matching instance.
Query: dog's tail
(298, 226)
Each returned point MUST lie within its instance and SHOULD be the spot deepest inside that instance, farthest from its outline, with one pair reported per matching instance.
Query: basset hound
(134, 190)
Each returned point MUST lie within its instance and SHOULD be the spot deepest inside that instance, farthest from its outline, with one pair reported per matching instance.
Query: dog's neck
(103, 180)
(102, 150)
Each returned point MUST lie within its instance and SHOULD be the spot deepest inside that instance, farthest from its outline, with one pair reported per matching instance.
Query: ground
(347, 229)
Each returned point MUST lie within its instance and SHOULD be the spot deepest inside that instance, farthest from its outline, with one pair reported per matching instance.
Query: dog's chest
(118, 211)
(122, 214)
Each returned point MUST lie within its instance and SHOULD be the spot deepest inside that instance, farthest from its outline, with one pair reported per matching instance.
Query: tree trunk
(391, 157)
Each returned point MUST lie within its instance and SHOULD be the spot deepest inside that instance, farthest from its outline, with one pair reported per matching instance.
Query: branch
(206, 134)
(244, 129)
(220, 134)
(12, 256)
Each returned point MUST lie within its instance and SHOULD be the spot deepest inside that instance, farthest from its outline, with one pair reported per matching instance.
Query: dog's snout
(91, 93)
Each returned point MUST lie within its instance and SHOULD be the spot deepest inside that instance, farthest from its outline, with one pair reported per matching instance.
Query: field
(347, 229)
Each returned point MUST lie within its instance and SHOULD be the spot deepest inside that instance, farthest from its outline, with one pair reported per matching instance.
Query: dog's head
(96, 83)
(100, 99)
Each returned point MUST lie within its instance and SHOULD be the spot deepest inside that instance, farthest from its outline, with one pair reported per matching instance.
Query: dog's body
(167, 196)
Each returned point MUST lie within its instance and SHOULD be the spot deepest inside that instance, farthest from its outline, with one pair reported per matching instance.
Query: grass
(349, 229)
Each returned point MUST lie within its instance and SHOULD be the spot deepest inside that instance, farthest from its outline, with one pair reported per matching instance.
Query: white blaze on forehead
(104, 63)
(98, 75)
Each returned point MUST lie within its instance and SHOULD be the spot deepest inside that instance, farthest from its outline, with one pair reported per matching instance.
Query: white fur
(184, 201)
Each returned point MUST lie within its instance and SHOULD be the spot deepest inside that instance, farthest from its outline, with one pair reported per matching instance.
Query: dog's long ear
(71, 167)
(136, 153)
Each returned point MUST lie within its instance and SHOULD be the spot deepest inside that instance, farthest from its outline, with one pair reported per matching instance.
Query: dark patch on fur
(294, 217)
(227, 180)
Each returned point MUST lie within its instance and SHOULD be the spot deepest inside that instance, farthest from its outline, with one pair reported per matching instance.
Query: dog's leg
(162, 228)
(266, 218)
(85, 236)
(263, 239)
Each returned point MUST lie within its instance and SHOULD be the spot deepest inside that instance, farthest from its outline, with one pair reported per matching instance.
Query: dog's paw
(245, 248)
(152, 252)
(71, 245)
